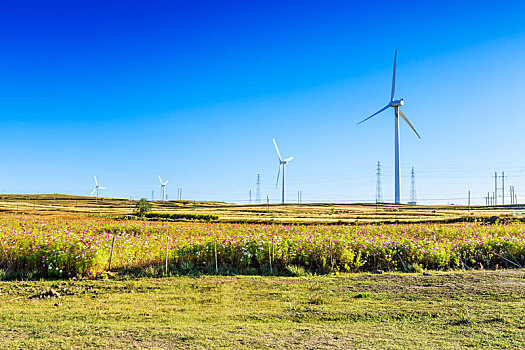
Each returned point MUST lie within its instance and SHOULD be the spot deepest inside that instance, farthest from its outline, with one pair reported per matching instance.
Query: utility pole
(379, 190)
(152, 195)
(503, 187)
(258, 192)
(250, 197)
(513, 196)
(267, 204)
(496, 187)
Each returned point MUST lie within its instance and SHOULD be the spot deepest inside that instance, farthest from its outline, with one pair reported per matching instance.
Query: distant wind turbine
(395, 104)
(282, 163)
(162, 189)
(97, 187)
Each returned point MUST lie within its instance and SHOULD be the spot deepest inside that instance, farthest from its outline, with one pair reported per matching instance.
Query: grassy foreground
(399, 311)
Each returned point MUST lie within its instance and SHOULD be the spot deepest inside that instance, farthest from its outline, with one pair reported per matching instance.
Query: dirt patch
(286, 281)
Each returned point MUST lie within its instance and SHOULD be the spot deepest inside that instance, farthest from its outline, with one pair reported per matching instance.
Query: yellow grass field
(320, 213)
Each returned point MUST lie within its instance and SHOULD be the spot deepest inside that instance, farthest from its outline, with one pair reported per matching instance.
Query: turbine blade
(160, 180)
(94, 190)
(277, 149)
(96, 183)
(394, 79)
(287, 160)
(164, 184)
(408, 122)
(101, 188)
(381, 110)
(279, 173)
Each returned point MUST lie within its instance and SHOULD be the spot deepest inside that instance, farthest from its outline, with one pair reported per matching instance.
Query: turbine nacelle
(397, 103)
(285, 161)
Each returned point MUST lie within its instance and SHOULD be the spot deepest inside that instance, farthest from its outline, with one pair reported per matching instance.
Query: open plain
(317, 276)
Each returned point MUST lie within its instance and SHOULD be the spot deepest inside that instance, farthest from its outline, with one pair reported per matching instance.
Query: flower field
(82, 247)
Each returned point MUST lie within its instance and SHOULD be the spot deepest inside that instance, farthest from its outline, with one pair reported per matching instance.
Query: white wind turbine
(395, 104)
(282, 163)
(97, 187)
(162, 188)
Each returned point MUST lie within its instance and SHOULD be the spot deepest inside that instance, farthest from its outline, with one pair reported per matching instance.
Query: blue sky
(195, 91)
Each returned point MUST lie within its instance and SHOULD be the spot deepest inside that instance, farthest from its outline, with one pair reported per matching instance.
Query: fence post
(167, 247)
(273, 249)
(270, 257)
(331, 253)
(216, 264)
(111, 253)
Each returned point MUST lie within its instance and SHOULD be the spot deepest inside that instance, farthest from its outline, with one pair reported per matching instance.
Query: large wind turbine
(282, 164)
(97, 187)
(395, 104)
(162, 188)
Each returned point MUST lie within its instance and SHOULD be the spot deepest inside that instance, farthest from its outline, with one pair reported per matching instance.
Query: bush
(143, 206)
(186, 216)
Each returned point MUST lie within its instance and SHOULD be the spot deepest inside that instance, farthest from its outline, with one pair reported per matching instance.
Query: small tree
(143, 206)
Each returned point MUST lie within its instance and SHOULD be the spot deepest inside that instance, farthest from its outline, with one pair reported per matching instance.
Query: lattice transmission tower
(413, 196)
(379, 190)
(258, 193)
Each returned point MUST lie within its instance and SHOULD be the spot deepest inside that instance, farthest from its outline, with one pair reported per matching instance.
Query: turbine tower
(162, 189)
(97, 187)
(395, 104)
(282, 163)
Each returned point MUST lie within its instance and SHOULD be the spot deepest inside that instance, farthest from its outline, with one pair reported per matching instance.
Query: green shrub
(185, 216)
(143, 206)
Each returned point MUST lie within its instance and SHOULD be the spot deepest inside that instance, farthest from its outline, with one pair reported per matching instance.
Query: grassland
(321, 213)
(395, 311)
(196, 309)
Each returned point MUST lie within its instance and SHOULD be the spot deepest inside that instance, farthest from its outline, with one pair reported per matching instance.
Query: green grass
(397, 311)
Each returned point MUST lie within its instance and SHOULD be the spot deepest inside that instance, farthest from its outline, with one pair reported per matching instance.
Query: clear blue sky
(194, 91)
